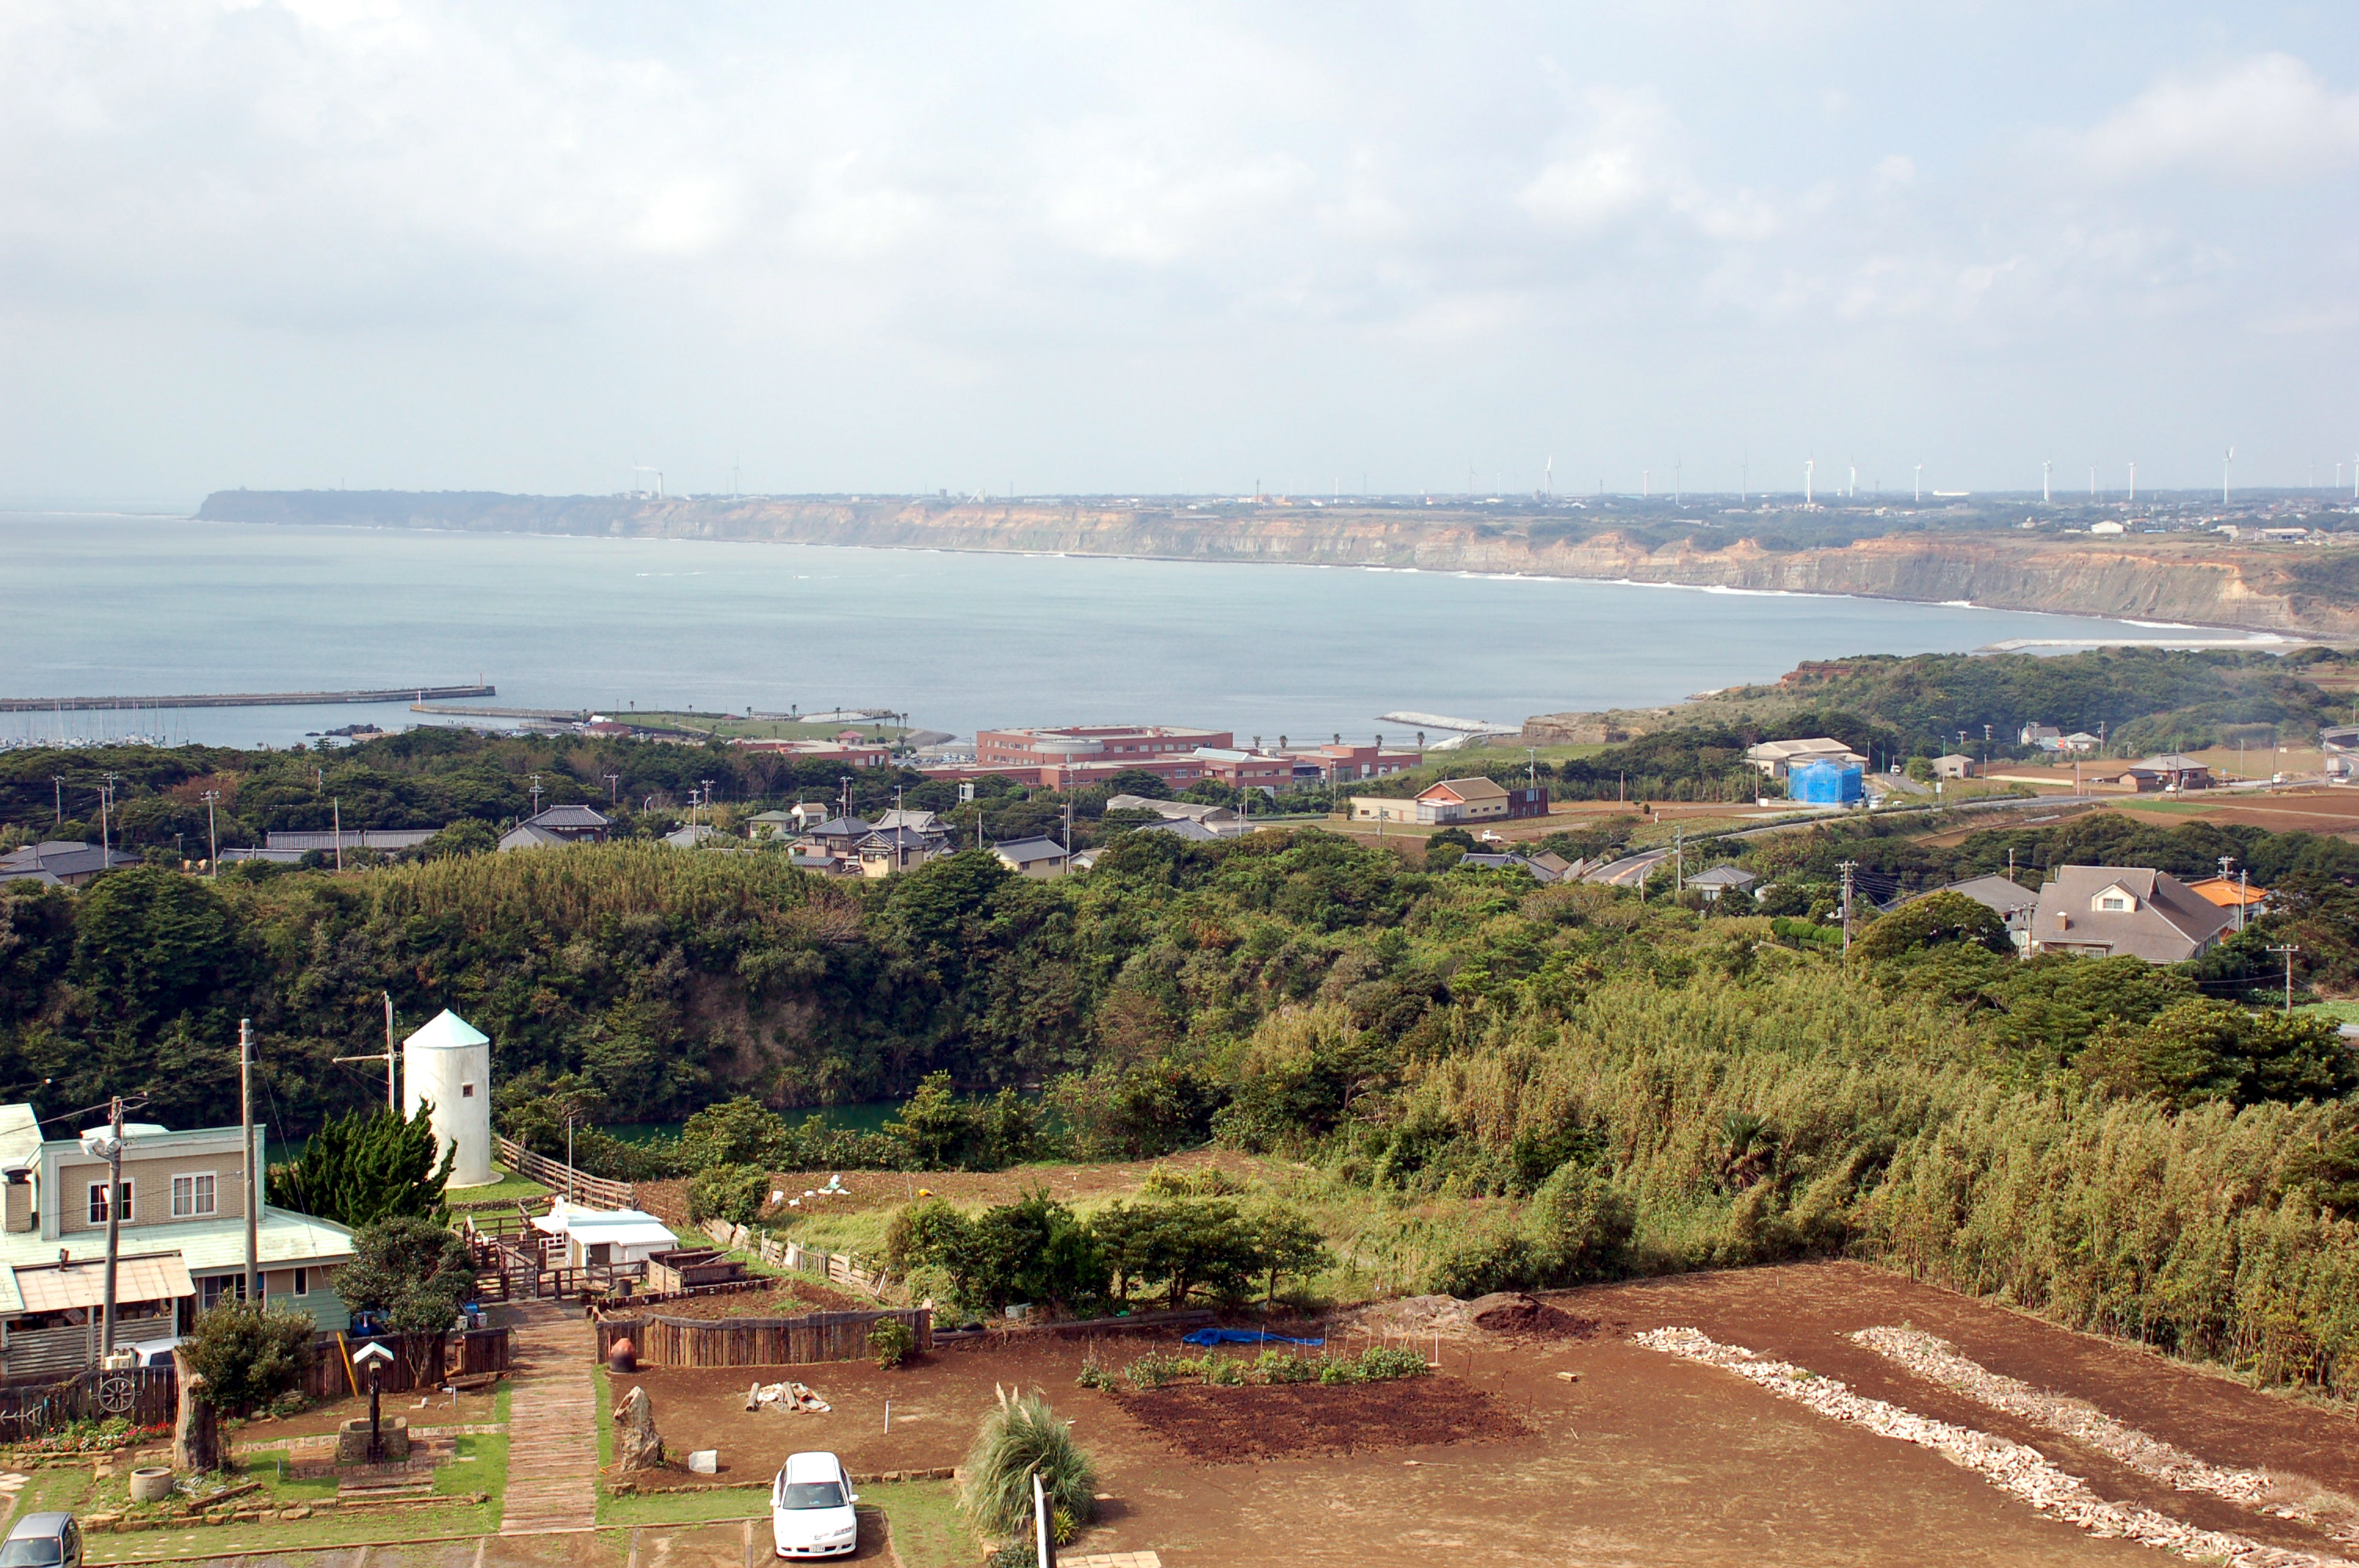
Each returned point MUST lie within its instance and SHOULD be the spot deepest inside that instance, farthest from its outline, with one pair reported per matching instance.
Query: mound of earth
(1232, 1426)
(1514, 1313)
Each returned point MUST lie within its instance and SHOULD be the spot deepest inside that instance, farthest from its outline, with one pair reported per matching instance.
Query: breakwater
(240, 700)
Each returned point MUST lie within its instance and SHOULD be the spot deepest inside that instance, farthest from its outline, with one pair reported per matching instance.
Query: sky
(1143, 249)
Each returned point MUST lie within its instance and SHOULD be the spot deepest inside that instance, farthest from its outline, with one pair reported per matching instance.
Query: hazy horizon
(1181, 251)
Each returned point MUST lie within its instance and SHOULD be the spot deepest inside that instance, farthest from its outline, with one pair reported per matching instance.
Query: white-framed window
(302, 1282)
(98, 1203)
(196, 1194)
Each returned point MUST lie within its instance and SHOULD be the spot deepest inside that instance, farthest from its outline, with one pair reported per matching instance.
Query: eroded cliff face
(2194, 580)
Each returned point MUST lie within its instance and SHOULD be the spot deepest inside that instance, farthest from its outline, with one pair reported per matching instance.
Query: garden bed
(1232, 1425)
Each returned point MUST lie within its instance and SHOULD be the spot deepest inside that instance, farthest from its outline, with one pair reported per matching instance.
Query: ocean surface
(122, 605)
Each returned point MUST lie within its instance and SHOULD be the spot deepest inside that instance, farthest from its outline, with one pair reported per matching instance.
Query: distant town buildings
(60, 862)
(1455, 801)
(1077, 756)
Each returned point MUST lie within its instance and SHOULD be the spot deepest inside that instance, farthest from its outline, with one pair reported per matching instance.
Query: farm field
(1642, 1457)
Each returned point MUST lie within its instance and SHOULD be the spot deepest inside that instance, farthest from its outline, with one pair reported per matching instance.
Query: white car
(811, 1508)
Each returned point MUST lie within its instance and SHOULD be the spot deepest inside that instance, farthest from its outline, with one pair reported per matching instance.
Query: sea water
(128, 605)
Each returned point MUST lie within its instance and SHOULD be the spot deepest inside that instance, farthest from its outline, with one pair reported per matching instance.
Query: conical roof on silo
(446, 1030)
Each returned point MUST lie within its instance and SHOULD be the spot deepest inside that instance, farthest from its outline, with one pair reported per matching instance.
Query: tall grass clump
(1815, 1116)
(1021, 1437)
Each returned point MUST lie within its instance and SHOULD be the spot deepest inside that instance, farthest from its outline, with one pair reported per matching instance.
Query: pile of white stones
(1937, 1361)
(2011, 1467)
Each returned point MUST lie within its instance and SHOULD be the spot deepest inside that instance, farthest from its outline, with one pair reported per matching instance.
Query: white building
(448, 1064)
(605, 1236)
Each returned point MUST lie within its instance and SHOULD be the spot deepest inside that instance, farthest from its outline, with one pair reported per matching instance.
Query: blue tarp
(1242, 1336)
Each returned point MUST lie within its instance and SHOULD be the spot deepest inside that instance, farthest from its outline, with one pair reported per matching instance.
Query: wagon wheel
(117, 1394)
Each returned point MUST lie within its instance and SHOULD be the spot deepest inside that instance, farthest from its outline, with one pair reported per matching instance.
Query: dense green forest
(2131, 1148)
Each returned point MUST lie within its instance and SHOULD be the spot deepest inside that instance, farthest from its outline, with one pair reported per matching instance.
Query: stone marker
(704, 1462)
(637, 1445)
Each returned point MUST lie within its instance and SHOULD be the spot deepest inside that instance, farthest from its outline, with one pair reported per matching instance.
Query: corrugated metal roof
(151, 1277)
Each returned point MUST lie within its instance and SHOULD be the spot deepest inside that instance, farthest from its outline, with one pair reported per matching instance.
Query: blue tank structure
(1824, 784)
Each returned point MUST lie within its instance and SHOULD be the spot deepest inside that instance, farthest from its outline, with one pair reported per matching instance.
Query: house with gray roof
(1721, 879)
(2114, 911)
(60, 862)
(1039, 858)
(557, 826)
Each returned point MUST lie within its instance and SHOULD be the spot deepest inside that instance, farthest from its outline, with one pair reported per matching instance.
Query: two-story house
(180, 1247)
(2125, 911)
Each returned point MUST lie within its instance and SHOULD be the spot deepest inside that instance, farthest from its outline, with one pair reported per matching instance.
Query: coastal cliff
(2195, 578)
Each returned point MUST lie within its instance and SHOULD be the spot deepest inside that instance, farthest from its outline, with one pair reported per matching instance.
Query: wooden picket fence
(756, 1341)
(471, 1353)
(838, 1268)
(597, 1192)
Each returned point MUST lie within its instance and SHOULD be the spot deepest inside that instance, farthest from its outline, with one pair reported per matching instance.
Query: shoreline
(2262, 639)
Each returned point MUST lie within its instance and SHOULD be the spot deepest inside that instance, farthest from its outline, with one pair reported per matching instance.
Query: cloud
(2264, 120)
(1630, 161)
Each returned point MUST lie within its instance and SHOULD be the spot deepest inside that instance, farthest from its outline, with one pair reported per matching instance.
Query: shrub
(892, 1340)
(416, 1273)
(1284, 1367)
(1023, 1437)
(733, 1193)
(249, 1356)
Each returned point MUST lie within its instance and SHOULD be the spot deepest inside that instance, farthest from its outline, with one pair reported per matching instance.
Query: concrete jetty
(241, 700)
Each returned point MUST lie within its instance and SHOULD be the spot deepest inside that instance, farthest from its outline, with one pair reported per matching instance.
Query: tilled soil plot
(1228, 1426)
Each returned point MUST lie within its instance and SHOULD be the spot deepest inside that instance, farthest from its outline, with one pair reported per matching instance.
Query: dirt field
(1643, 1458)
(2323, 810)
(1237, 1426)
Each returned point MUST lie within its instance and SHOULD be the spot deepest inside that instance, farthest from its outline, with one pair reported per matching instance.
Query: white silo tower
(448, 1064)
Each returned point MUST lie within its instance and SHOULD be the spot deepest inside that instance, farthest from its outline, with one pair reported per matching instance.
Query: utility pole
(2288, 950)
(1532, 768)
(1678, 861)
(535, 795)
(2227, 862)
(391, 1098)
(338, 806)
(1847, 867)
(212, 838)
(114, 1152)
(614, 789)
(58, 783)
(252, 1285)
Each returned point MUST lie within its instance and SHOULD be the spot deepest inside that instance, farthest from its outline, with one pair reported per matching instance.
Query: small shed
(605, 1235)
(1955, 766)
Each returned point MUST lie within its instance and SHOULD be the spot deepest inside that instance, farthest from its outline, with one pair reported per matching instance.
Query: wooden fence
(756, 1341)
(147, 1395)
(598, 1192)
(838, 1268)
(470, 1353)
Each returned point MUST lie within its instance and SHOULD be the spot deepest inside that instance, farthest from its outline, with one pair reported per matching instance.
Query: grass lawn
(689, 1507)
(508, 1188)
(927, 1530)
(605, 1387)
(2340, 1012)
(480, 1464)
